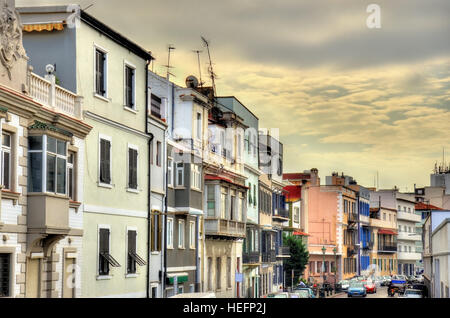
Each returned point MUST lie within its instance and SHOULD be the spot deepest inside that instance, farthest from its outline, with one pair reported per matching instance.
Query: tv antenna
(199, 67)
(210, 68)
(170, 48)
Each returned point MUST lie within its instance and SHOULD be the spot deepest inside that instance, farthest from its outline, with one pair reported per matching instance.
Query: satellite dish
(192, 82)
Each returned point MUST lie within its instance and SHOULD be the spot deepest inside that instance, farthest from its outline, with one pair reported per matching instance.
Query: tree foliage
(298, 260)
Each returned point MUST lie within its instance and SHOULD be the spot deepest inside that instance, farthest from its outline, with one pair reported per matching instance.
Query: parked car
(398, 283)
(410, 279)
(378, 280)
(387, 280)
(356, 289)
(370, 287)
(343, 285)
(195, 295)
(279, 295)
(309, 290)
(419, 279)
(413, 293)
(300, 293)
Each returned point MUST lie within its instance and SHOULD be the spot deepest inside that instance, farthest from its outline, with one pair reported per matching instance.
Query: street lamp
(323, 269)
(335, 268)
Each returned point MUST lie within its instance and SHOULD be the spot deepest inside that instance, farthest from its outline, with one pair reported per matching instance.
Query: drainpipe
(149, 179)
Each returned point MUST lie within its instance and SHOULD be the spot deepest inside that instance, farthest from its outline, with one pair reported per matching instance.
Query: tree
(298, 260)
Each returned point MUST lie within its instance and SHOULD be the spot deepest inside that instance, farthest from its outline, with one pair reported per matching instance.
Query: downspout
(149, 179)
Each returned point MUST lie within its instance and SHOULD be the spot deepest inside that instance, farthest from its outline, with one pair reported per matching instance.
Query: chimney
(315, 181)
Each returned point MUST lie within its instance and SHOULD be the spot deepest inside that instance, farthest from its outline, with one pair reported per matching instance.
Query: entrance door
(69, 278)
(33, 278)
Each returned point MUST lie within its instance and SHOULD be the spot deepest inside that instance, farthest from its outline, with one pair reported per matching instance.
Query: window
(132, 168)
(181, 235)
(229, 272)
(169, 233)
(250, 198)
(256, 241)
(180, 174)
(158, 153)
(384, 216)
(199, 126)
(211, 201)
(218, 273)
(71, 179)
(241, 207)
(129, 87)
(6, 161)
(156, 106)
(100, 72)
(170, 172)
(196, 177)
(54, 153)
(105, 258)
(223, 203)
(5, 274)
(105, 161)
(133, 258)
(192, 235)
(254, 195)
(156, 231)
(233, 205)
(296, 214)
(180, 289)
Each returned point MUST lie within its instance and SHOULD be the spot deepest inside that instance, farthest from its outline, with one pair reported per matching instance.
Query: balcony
(225, 228)
(352, 218)
(351, 250)
(387, 248)
(367, 245)
(281, 214)
(48, 213)
(251, 258)
(58, 99)
(405, 236)
(409, 216)
(283, 252)
(269, 257)
(404, 256)
(191, 144)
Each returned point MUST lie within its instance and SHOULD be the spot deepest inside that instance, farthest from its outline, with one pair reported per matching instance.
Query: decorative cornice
(43, 126)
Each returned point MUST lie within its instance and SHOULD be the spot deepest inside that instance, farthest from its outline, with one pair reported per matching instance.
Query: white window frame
(107, 138)
(131, 66)
(133, 147)
(192, 235)
(196, 180)
(74, 177)
(170, 176)
(177, 169)
(104, 51)
(6, 149)
(99, 227)
(170, 233)
(199, 126)
(181, 238)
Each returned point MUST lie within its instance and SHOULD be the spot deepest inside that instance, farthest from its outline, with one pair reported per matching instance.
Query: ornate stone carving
(11, 46)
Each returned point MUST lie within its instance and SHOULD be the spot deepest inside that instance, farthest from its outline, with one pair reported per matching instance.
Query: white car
(412, 293)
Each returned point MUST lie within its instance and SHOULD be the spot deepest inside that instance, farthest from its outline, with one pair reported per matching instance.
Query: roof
(219, 178)
(301, 233)
(423, 206)
(296, 176)
(294, 193)
(234, 97)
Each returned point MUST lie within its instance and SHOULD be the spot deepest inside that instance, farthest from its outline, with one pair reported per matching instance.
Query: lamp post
(335, 268)
(323, 270)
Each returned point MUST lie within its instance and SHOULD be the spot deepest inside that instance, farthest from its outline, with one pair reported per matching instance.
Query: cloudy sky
(345, 97)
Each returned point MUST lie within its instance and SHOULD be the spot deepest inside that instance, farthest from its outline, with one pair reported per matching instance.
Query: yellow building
(383, 256)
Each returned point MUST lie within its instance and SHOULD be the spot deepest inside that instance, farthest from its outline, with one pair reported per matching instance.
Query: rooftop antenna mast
(199, 67)
(210, 69)
(170, 48)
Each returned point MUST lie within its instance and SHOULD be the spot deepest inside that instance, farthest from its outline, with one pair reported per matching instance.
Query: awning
(386, 231)
(43, 27)
(301, 233)
(181, 277)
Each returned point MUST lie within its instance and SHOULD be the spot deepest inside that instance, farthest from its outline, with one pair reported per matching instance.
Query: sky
(345, 97)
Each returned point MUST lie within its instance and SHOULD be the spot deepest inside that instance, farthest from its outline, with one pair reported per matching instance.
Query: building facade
(42, 142)
(110, 71)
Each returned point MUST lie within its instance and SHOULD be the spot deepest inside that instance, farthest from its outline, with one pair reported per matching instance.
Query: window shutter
(132, 242)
